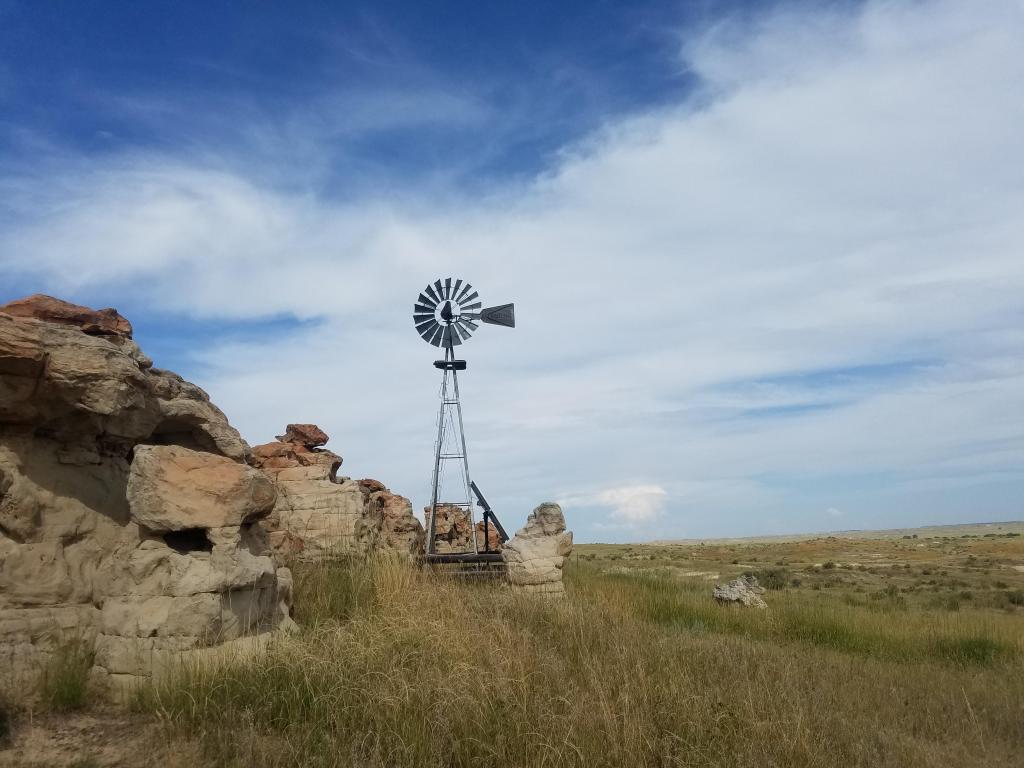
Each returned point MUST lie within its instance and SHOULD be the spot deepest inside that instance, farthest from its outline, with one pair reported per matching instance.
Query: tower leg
(450, 398)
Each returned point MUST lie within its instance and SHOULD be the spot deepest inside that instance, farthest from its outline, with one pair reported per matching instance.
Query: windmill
(446, 314)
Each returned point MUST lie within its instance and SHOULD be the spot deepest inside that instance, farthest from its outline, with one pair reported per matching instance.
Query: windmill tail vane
(446, 314)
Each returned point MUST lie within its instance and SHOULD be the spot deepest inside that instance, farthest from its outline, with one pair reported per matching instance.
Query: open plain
(885, 651)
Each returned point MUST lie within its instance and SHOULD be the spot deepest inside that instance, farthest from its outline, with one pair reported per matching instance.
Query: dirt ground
(104, 738)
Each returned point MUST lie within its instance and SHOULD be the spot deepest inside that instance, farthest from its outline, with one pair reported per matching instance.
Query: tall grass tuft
(6, 717)
(64, 682)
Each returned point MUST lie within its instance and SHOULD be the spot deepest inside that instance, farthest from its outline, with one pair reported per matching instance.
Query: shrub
(1016, 597)
(771, 578)
(970, 650)
(829, 565)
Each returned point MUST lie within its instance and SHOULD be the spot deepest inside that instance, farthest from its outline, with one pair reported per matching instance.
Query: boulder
(307, 435)
(171, 488)
(452, 531)
(535, 556)
(319, 514)
(128, 517)
(742, 591)
(101, 322)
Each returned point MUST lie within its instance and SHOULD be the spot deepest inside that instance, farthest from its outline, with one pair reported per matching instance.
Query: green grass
(687, 605)
(398, 669)
(64, 682)
(6, 717)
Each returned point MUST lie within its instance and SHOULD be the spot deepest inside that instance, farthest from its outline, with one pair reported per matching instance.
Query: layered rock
(536, 555)
(128, 518)
(742, 591)
(318, 513)
(452, 532)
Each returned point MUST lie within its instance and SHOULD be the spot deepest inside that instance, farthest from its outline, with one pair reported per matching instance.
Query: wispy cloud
(842, 195)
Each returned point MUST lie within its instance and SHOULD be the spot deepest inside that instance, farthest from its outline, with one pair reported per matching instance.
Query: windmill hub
(446, 314)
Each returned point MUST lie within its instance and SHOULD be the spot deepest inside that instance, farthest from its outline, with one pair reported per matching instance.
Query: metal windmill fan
(446, 314)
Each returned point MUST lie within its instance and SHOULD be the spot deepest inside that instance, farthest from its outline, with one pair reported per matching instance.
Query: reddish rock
(452, 532)
(372, 486)
(320, 514)
(308, 435)
(95, 322)
(493, 538)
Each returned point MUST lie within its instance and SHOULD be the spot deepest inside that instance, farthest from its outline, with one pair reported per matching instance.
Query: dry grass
(397, 669)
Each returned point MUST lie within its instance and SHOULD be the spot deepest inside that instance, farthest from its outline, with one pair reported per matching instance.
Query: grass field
(873, 652)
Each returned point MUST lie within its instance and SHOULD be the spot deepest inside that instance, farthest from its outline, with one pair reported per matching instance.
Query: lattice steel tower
(446, 314)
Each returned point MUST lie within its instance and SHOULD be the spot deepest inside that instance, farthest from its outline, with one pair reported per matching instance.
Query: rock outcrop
(535, 556)
(742, 591)
(128, 517)
(318, 513)
(452, 532)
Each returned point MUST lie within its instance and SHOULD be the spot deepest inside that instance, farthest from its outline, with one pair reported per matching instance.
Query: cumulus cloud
(833, 512)
(696, 287)
(630, 505)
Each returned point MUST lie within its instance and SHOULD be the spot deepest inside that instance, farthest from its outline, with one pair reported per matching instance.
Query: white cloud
(833, 512)
(845, 191)
(630, 505)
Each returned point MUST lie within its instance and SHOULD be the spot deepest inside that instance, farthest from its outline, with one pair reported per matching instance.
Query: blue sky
(767, 258)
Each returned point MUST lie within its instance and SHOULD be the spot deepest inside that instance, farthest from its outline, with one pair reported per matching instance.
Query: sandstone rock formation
(128, 518)
(535, 555)
(742, 591)
(451, 534)
(319, 513)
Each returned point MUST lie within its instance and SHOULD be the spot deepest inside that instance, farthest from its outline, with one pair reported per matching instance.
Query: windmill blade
(426, 327)
(451, 337)
(435, 336)
(503, 314)
(457, 323)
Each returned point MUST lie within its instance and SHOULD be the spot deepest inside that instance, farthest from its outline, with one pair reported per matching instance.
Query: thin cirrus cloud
(799, 287)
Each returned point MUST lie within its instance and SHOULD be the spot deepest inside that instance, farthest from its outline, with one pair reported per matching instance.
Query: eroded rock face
(742, 591)
(535, 556)
(318, 513)
(452, 532)
(127, 513)
(171, 488)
